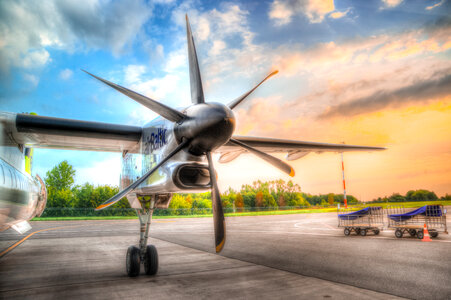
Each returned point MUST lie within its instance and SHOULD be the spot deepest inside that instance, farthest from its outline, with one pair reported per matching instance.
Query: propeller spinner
(201, 128)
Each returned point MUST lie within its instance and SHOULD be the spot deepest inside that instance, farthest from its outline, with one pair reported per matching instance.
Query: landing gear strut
(145, 254)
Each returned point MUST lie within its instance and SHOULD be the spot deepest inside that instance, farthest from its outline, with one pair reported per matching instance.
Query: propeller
(218, 214)
(199, 130)
(269, 158)
(161, 109)
(242, 97)
(197, 93)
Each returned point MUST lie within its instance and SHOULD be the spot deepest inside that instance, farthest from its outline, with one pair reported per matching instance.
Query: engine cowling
(191, 176)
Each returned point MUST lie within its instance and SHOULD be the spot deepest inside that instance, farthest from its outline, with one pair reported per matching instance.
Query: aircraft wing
(57, 133)
(294, 149)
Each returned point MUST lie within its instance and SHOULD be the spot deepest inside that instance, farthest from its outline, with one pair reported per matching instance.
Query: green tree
(60, 177)
(179, 205)
(59, 181)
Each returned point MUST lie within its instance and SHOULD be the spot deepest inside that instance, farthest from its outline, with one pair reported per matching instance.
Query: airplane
(22, 197)
(171, 154)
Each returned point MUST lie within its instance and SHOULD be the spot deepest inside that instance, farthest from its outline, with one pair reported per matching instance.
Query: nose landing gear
(145, 254)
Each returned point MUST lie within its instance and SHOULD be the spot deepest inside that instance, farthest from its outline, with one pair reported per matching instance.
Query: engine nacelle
(191, 176)
(176, 177)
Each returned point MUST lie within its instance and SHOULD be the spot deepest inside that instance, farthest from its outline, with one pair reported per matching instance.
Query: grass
(242, 214)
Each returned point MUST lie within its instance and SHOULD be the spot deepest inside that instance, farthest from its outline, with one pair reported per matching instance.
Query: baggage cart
(361, 220)
(411, 221)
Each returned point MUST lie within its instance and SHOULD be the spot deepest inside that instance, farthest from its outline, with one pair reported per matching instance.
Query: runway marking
(3, 253)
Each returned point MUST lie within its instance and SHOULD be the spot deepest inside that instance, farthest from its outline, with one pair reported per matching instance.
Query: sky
(374, 73)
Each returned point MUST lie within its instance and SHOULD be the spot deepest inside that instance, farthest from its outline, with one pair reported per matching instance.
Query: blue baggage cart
(412, 221)
(361, 220)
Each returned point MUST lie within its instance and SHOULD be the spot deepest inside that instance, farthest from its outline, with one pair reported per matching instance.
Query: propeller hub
(207, 125)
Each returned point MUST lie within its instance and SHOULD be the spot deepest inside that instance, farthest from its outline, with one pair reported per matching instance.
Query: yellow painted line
(3, 253)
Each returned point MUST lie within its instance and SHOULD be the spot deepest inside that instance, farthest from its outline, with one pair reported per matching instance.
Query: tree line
(412, 196)
(62, 193)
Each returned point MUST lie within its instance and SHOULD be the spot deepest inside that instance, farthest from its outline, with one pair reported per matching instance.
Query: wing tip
(292, 173)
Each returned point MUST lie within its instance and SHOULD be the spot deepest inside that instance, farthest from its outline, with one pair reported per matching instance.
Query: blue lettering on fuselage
(156, 140)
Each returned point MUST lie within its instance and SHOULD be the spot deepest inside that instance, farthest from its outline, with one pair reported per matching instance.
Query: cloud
(102, 172)
(391, 3)
(68, 25)
(66, 74)
(282, 11)
(416, 92)
(133, 73)
(435, 5)
(339, 14)
(372, 50)
(33, 79)
(401, 69)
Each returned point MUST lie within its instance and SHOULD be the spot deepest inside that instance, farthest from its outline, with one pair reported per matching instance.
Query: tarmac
(303, 256)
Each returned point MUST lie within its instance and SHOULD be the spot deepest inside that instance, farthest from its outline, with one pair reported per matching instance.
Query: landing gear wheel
(376, 231)
(132, 262)
(151, 260)
(398, 233)
(362, 232)
(347, 231)
(433, 234)
(412, 232)
(420, 234)
(357, 231)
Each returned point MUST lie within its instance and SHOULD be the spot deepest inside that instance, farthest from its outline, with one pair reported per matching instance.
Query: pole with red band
(344, 183)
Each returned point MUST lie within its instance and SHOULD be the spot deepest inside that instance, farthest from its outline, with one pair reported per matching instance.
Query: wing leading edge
(57, 133)
(294, 149)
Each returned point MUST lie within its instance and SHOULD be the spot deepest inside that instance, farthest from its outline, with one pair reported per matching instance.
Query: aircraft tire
(363, 232)
(132, 261)
(412, 232)
(398, 233)
(151, 262)
(433, 234)
(376, 231)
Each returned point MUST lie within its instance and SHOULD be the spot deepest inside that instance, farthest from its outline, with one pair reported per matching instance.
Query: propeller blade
(161, 109)
(197, 93)
(218, 214)
(132, 186)
(269, 158)
(242, 97)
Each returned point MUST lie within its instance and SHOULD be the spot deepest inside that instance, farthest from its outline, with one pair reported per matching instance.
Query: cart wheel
(433, 234)
(398, 233)
(357, 231)
(347, 231)
(362, 232)
(412, 232)
(420, 234)
(376, 231)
